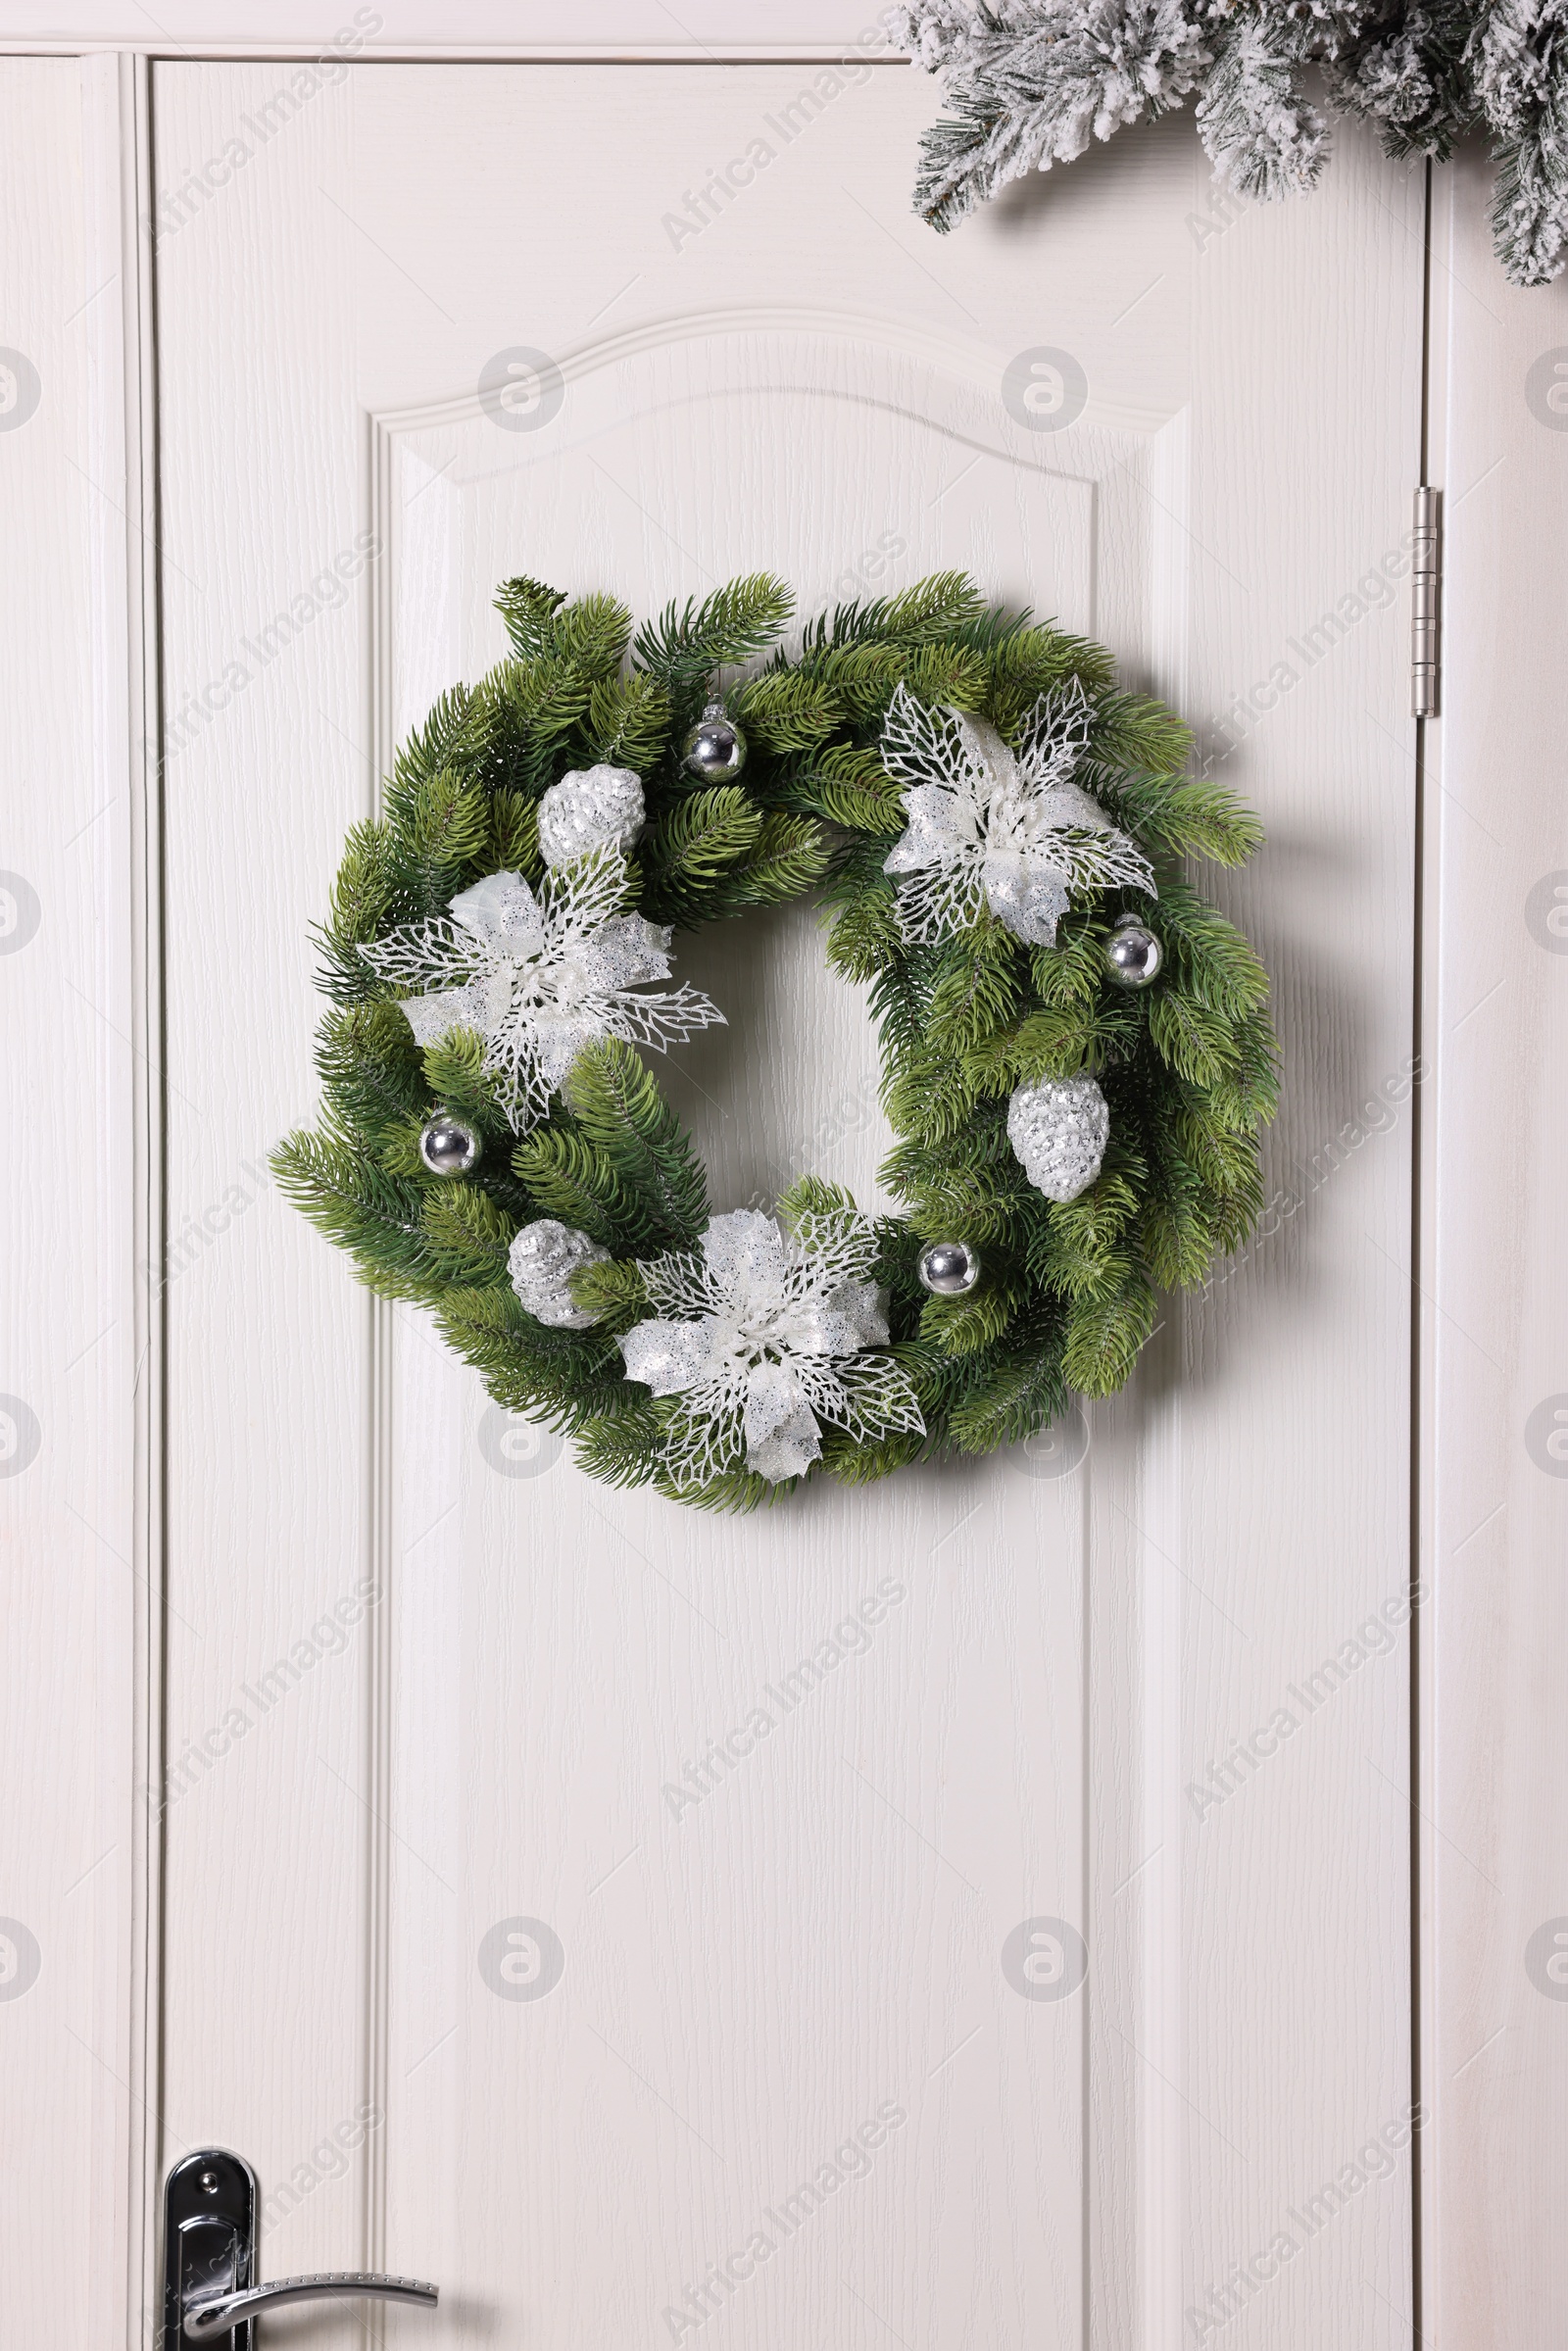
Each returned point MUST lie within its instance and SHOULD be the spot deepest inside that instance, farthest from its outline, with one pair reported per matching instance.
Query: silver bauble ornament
(715, 748)
(449, 1146)
(949, 1268)
(1133, 954)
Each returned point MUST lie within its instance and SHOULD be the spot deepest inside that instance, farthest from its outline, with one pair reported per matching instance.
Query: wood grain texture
(1496, 1307)
(78, 1630)
(747, 1982)
(268, 1367)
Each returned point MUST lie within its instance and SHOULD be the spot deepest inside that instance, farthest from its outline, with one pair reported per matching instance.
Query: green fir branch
(619, 1109)
(738, 620)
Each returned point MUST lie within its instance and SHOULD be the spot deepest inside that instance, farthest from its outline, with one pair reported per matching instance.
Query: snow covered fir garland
(1076, 1048)
(1030, 81)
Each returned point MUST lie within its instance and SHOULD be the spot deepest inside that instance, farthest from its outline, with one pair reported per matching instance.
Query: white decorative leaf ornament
(990, 827)
(540, 978)
(764, 1335)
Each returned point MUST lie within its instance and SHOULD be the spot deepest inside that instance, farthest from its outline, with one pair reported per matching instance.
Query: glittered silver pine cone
(450, 1147)
(542, 1261)
(1059, 1130)
(715, 749)
(591, 808)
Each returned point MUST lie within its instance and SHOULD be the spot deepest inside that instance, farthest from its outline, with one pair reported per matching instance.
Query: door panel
(494, 1669)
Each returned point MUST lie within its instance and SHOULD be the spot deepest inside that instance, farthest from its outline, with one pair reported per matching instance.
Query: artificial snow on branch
(1030, 81)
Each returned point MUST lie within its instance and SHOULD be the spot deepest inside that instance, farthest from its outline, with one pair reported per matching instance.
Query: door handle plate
(208, 2239)
(210, 2289)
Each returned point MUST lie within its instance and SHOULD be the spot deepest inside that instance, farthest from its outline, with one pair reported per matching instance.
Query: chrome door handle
(223, 2312)
(210, 2289)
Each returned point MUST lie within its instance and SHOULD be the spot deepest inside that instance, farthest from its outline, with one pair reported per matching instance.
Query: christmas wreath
(1077, 1053)
(1030, 81)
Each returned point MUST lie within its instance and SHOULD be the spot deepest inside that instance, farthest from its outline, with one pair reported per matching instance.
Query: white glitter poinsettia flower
(539, 978)
(763, 1334)
(990, 827)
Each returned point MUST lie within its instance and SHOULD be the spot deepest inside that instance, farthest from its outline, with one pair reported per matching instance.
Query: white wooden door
(1044, 1668)
(427, 1690)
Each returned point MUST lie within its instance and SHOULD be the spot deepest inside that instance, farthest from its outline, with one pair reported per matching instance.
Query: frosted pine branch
(1029, 82)
(1032, 84)
(948, 32)
(1519, 59)
(1259, 133)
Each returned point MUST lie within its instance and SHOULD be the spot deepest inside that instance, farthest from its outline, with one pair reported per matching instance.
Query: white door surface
(1047, 1971)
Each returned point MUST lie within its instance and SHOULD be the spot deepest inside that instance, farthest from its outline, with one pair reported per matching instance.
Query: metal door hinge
(1426, 597)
